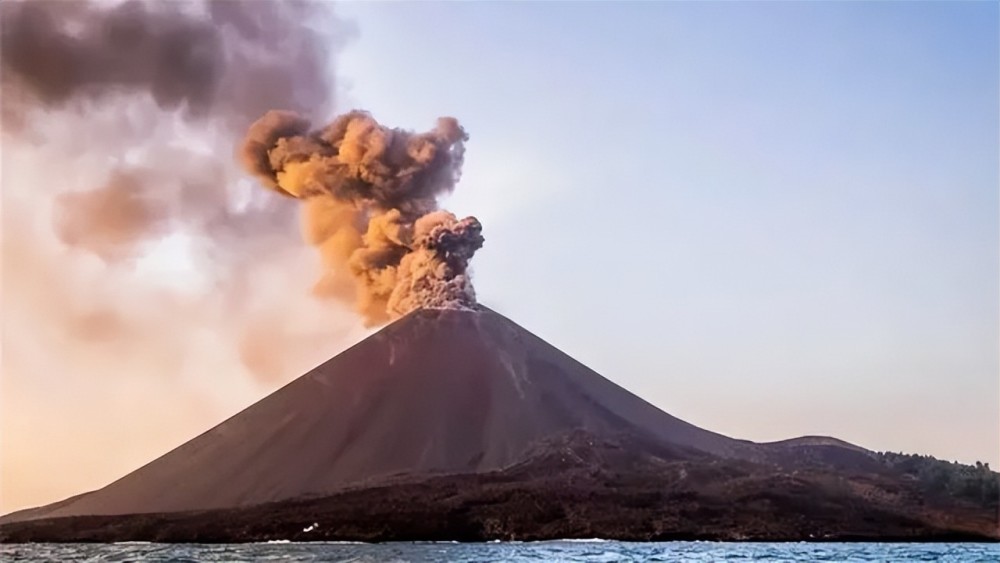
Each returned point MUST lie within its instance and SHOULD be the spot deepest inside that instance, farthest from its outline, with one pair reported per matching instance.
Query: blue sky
(769, 219)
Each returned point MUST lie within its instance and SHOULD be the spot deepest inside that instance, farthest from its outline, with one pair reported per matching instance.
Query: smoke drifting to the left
(120, 122)
(142, 269)
(169, 88)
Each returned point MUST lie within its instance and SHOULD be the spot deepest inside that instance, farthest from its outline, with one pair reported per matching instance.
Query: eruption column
(370, 206)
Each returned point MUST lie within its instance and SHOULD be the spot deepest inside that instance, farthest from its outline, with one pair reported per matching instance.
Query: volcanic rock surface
(459, 424)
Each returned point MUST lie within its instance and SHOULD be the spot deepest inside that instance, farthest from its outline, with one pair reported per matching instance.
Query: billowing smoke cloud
(142, 272)
(217, 59)
(371, 207)
(209, 67)
(108, 219)
(140, 104)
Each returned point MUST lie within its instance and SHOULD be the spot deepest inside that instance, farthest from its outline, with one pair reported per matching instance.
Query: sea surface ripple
(593, 550)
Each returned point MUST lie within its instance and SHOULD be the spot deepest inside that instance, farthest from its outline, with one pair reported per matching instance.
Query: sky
(767, 219)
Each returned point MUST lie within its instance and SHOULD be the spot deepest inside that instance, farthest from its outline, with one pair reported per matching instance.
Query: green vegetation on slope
(976, 483)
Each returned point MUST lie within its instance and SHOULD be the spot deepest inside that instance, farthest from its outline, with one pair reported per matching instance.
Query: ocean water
(584, 550)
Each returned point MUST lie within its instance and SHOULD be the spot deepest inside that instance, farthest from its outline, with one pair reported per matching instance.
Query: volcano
(446, 423)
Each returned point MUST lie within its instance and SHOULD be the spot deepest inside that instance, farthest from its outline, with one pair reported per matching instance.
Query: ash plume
(119, 120)
(104, 220)
(167, 88)
(370, 195)
(210, 59)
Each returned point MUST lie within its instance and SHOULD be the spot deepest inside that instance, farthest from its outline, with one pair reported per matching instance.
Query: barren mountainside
(460, 424)
(439, 391)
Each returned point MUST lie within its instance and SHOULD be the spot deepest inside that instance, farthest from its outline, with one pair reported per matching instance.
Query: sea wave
(573, 550)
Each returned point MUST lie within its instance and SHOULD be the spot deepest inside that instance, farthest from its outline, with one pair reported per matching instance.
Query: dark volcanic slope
(439, 391)
(579, 487)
